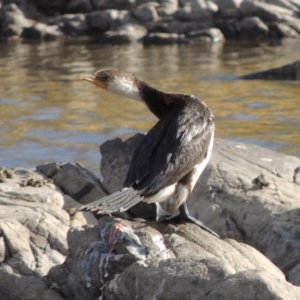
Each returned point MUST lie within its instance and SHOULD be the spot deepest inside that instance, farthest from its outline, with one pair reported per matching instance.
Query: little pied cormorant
(172, 155)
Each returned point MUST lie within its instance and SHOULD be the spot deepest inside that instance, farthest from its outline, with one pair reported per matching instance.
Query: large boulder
(247, 193)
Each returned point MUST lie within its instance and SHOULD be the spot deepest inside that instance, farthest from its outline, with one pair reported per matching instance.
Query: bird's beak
(93, 79)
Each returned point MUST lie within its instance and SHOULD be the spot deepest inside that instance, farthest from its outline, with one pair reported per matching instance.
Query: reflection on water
(48, 115)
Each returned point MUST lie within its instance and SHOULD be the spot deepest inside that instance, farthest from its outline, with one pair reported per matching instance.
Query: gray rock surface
(74, 180)
(33, 229)
(146, 260)
(248, 194)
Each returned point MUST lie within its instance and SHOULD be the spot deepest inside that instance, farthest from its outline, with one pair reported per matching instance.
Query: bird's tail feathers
(117, 202)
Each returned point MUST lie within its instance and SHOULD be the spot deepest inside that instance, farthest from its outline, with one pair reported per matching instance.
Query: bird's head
(115, 81)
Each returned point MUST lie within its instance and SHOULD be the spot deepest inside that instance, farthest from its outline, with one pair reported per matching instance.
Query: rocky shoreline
(247, 194)
(150, 22)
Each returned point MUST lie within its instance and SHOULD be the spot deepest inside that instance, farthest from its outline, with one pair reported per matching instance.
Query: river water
(49, 115)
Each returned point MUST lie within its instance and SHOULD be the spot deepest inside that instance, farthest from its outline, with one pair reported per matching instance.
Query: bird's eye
(104, 78)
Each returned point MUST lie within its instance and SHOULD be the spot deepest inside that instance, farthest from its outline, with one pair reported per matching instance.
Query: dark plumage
(172, 155)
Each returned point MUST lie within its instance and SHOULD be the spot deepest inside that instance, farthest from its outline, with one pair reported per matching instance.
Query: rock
(13, 21)
(286, 72)
(294, 277)
(50, 7)
(33, 229)
(101, 21)
(41, 31)
(294, 23)
(213, 34)
(265, 11)
(78, 6)
(117, 155)
(19, 3)
(295, 3)
(265, 218)
(253, 28)
(280, 30)
(283, 3)
(121, 259)
(124, 260)
(197, 10)
(114, 4)
(234, 206)
(74, 180)
(71, 24)
(176, 26)
(164, 39)
(230, 27)
(167, 7)
(124, 34)
(125, 17)
(229, 8)
(146, 12)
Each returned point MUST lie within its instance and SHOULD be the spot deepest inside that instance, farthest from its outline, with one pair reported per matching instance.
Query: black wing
(170, 149)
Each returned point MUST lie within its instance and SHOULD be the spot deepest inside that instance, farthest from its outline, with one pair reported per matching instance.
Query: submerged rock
(286, 72)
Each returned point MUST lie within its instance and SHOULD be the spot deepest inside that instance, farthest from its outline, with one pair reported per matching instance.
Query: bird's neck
(156, 100)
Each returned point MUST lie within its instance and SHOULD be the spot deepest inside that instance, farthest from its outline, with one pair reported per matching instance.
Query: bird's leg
(184, 215)
(160, 213)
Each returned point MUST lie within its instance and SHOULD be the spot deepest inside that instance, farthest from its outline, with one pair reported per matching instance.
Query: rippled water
(48, 115)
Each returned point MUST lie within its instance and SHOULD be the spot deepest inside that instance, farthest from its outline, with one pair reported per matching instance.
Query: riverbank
(247, 194)
(161, 22)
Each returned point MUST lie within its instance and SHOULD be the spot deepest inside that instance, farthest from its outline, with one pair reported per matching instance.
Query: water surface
(48, 115)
